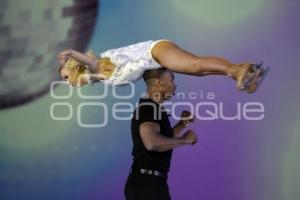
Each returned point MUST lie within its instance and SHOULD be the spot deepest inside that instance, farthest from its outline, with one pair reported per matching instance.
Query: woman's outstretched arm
(83, 58)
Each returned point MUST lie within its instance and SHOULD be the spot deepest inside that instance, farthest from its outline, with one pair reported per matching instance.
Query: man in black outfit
(154, 139)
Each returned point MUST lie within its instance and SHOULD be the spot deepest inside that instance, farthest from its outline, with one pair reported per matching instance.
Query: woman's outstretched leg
(178, 60)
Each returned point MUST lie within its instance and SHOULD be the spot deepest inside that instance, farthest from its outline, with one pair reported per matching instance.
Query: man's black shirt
(150, 111)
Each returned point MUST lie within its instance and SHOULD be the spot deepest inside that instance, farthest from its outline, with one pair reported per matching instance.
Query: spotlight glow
(217, 12)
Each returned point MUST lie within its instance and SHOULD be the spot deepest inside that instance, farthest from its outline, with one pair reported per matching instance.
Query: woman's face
(74, 77)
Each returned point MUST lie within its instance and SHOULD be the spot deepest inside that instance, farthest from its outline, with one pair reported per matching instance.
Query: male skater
(154, 139)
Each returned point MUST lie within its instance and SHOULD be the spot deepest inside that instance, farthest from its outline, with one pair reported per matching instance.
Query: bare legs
(178, 60)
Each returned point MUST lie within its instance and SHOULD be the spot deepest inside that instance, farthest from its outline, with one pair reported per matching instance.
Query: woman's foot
(251, 83)
(242, 73)
(254, 77)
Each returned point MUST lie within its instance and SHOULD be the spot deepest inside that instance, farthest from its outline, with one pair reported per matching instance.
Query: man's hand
(186, 118)
(190, 137)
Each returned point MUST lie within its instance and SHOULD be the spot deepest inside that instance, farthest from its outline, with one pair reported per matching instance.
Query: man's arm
(154, 141)
(178, 128)
(186, 119)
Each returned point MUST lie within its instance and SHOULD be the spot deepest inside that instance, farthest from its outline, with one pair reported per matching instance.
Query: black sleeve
(147, 113)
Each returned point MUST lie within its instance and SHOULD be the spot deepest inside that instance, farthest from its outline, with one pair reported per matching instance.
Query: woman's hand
(64, 56)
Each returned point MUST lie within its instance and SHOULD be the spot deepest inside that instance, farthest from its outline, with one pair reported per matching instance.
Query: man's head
(74, 73)
(160, 82)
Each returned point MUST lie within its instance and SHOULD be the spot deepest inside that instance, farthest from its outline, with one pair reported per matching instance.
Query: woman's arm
(83, 58)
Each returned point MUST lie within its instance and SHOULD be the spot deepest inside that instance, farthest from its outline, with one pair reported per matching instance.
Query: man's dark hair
(150, 75)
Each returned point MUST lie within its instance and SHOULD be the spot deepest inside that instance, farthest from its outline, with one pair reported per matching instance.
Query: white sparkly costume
(130, 62)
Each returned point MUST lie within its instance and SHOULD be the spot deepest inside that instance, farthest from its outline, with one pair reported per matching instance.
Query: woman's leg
(178, 60)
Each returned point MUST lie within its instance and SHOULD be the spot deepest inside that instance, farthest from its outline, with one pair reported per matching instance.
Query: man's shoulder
(147, 110)
(147, 103)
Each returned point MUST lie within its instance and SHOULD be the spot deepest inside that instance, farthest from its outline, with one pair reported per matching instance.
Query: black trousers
(146, 187)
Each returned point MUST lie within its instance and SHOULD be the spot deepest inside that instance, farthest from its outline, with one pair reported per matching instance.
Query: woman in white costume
(127, 64)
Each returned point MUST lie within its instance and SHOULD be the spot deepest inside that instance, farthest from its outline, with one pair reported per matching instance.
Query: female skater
(127, 64)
